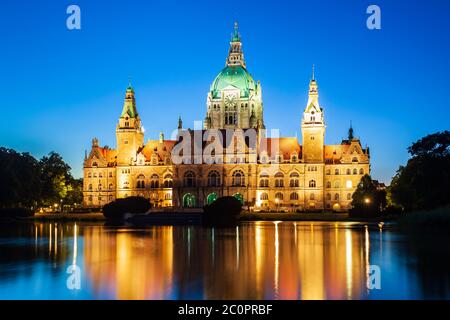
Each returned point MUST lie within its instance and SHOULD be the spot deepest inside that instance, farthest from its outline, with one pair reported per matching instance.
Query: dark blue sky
(60, 88)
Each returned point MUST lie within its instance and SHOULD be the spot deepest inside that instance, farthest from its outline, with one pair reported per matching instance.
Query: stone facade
(273, 174)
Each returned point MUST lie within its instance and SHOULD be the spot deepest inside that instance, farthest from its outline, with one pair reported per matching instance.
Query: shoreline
(195, 218)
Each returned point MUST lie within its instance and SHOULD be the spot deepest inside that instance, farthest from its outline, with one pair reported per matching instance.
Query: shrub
(117, 209)
(223, 211)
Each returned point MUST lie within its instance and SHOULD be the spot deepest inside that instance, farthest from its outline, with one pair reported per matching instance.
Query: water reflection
(260, 260)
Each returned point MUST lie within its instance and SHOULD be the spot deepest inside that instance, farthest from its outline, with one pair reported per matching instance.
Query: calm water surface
(257, 260)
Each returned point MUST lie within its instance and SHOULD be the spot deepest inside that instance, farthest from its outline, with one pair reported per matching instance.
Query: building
(232, 155)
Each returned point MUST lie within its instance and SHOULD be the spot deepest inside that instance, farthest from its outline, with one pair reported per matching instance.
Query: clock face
(230, 100)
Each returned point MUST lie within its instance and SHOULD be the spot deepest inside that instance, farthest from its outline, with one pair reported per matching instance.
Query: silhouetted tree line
(26, 182)
(422, 184)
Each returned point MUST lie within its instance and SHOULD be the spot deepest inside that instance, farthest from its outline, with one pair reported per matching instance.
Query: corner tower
(313, 126)
(129, 131)
(235, 99)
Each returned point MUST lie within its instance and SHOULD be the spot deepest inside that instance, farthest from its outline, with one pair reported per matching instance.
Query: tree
(368, 199)
(423, 183)
(55, 178)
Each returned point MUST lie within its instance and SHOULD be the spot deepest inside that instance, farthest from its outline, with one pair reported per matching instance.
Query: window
(294, 180)
(328, 184)
(90, 187)
(328, 172)
(154, 181)
(141, 181)
(213, 179)
(189, 179)
(337, 184)
(95, 164)
(336, 171)
(110, 174)
(361, 171)
(294, 196)
(349, 184)
(100, 187)
(89, 175)
(279, 196)
(328, 196)
(355, 171)
(349, 196)
(168, 181)
(264, 180)
(336, 197)
(355, 159)
(264, 196)
(294, 158)
(168, 196)
(279, 180)
(349, 171)
(238, 179)
(311, 196)
(100, 175)
(110, 197)
(110, 186)
(90, 198)
(312, 184)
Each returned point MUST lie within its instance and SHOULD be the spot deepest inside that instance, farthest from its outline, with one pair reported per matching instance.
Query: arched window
(336, 197)
(328, 196)
(294, 196)
(100, 175)
(349, 196)
(90, 187)
(312, 184)
(355, 159)
(211, 198)
(168, 181)
(361, 171)
(294, 158)
(189, 179)
(264, 180)
(213, 179)
(349, 171)
(311, 196)
(141, 181)
(279, 180)
(238, 179)
(89, 175)
(189, 200)
(154, 181)
(328, 184)
(328, 172)
(294, 180)
(110, 186)
(95, 164)
(355, 171)
(336, 184)
(264, 196)
(100, 187)
(279, 196)
(336, 171)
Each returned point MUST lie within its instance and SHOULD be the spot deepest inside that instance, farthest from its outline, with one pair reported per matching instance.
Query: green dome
(235, 76)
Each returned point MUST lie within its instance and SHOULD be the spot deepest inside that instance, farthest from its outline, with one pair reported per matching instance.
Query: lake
(256, 260)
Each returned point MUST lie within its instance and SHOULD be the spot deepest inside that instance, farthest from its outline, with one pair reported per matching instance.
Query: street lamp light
(367, 200)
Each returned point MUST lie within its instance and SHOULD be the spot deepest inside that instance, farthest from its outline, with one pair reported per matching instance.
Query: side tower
(313, 127)
(129, 131)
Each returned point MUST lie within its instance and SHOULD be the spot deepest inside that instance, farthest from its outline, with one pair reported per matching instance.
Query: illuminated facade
(275, 173)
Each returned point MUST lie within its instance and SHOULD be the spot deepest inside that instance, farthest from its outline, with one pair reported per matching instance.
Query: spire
(180, 123)
(350, 132)
(161, 136)
(235, 54)
(313, 77)
(236, 37)
(129, 105)
(313, 94)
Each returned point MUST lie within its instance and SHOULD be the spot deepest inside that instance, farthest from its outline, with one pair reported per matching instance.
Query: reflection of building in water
(133, 266)
(254, 261)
